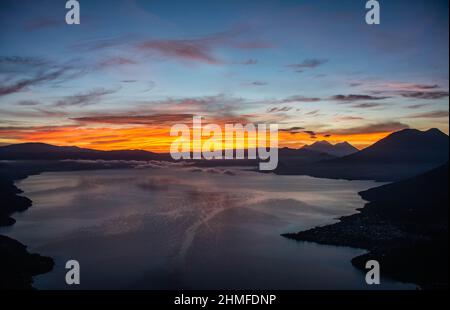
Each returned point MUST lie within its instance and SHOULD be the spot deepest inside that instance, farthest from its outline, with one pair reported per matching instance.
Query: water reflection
(186, 228)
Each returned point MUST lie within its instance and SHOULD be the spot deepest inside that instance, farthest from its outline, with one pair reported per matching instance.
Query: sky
(134, 68)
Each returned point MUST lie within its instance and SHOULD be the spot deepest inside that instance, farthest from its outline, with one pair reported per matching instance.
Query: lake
(187, 228)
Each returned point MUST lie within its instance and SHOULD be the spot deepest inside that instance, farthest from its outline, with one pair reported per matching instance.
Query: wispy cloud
(276, 110)
(117, 61)
(313, 113)
(429, 95)
(255, 83)
(22, 73)
(298, 98)
(356, 97)
(194, 50)
(403, 86)
(14, 61)
(404, 89)
(312, 134)
(433, 114)
(416, 106)
(293, 130)
(39, 79)
(84, 99)
(308, 64)
(43, 22)
(152, 119)
(250, 61)
(367, 105)
(202, 49)
(349, 118)
(28, 103)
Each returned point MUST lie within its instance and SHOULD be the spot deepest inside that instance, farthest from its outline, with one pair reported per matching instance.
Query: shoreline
(403, 225)
(18, 265)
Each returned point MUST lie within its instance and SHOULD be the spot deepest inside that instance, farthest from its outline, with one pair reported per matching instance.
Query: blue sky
(310, 64)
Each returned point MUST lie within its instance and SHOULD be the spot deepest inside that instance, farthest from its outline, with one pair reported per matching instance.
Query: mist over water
(173, 228)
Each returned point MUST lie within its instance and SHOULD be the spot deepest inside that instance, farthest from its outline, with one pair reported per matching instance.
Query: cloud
(308, 64)
(33, 112)
(211, 170)
(312, 134)
(313, 113)
(296, 129)
(250, 62)
(366, 105)
(22, 132)
(433, 114)
(43, 22)
(371, 128)
(297, 98)
(84, 99)
(350, 118)
(276, 110)
(21, 73)
(21, 61)
(28, 102)
(200, 49)
(247, 44)
(105, 43)
(203, 105)
(23, 84)
(154, 119)
(431, 95)
(356, 97)
(195, 50)
(255, 83)
(403, 86)
(116, 61)
(160, 120)
(416, 106)
(405, 90)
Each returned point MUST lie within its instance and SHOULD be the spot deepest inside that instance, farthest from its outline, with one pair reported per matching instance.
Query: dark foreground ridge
(18, 266)
(404, 226)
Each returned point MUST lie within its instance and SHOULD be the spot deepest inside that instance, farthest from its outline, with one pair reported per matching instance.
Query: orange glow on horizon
(158, 139)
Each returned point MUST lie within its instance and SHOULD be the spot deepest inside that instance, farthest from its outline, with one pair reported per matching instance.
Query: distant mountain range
(338, 150)
(42, 151)
(400, 155)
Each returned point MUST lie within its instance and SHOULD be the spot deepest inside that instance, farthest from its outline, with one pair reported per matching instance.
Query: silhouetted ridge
(400, 155)
(43, 151)
(406, 145)
(338, 150)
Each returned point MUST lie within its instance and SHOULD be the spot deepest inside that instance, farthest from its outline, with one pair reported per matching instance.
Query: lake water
(175, 228)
